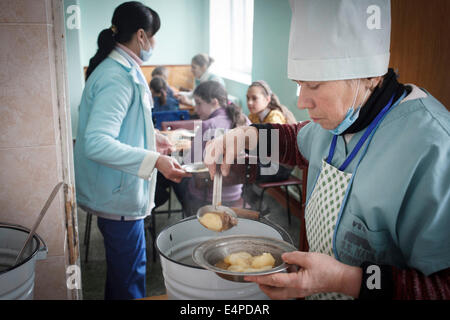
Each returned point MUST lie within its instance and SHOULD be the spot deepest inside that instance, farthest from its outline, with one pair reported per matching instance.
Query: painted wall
(30, 137)
(270, 50)
(183, 31)
(74, 50)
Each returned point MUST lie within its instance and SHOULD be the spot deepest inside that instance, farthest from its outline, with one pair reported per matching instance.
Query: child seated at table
(163, 72)
(216, 114)
(265, 107)
(200, 69)
(163, 99)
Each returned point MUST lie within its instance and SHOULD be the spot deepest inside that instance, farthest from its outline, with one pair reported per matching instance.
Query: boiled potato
(257, 269)
(212, 221)
(263, 260)
(237, 268)
(245, 262)
(239, 259)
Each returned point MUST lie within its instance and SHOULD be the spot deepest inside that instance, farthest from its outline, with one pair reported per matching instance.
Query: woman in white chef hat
(378, 196)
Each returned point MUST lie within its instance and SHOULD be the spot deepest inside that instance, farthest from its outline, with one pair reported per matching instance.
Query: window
(231, 38)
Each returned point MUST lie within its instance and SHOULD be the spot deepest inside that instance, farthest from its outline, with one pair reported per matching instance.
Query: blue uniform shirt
(115, 152)
(398, 210)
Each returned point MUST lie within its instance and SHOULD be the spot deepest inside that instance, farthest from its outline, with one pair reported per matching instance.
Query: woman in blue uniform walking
(118, 152)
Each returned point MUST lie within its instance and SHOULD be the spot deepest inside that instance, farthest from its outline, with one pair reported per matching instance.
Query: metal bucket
(17, 282)
(185, 280)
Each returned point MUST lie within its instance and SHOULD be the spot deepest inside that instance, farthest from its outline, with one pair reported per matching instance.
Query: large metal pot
(17, 282)
(186, 280)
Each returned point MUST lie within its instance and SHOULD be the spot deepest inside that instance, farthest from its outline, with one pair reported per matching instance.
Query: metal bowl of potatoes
(212, 253)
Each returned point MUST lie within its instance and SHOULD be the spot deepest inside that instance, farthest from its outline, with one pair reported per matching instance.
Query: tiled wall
(30, 151)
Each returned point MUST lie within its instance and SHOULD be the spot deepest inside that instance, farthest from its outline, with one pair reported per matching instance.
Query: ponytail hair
(106, 44)
(209, 90)
(127, 19)
(235, 114)
(202, 60)
(275, 103)
(159, 85)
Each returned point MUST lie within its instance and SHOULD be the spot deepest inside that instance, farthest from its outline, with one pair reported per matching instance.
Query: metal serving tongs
(228, 217)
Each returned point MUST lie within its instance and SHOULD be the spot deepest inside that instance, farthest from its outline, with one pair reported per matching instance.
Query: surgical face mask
(145, 54)
(351, 115)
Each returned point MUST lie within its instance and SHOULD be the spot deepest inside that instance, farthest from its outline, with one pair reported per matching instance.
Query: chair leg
(299, 192)
(300, 195)
(87, 235)
(287, 205)
(86, 228)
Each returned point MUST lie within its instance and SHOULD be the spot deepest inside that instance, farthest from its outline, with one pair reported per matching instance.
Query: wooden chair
(291, 181)
(300, 184)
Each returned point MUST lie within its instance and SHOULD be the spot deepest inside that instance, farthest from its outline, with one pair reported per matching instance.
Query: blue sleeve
(423, 225)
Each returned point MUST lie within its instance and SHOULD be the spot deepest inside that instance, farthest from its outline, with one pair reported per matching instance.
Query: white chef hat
(339, 39)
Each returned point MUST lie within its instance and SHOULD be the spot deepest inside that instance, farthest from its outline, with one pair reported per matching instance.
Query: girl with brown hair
(264, 105)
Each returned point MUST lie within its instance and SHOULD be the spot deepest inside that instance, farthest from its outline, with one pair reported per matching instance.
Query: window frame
(226, 54)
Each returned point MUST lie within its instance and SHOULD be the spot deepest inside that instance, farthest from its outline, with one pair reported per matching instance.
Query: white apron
(327, 200)
(322, 212)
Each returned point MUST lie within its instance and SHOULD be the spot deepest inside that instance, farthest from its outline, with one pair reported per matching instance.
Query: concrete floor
(94, 271)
